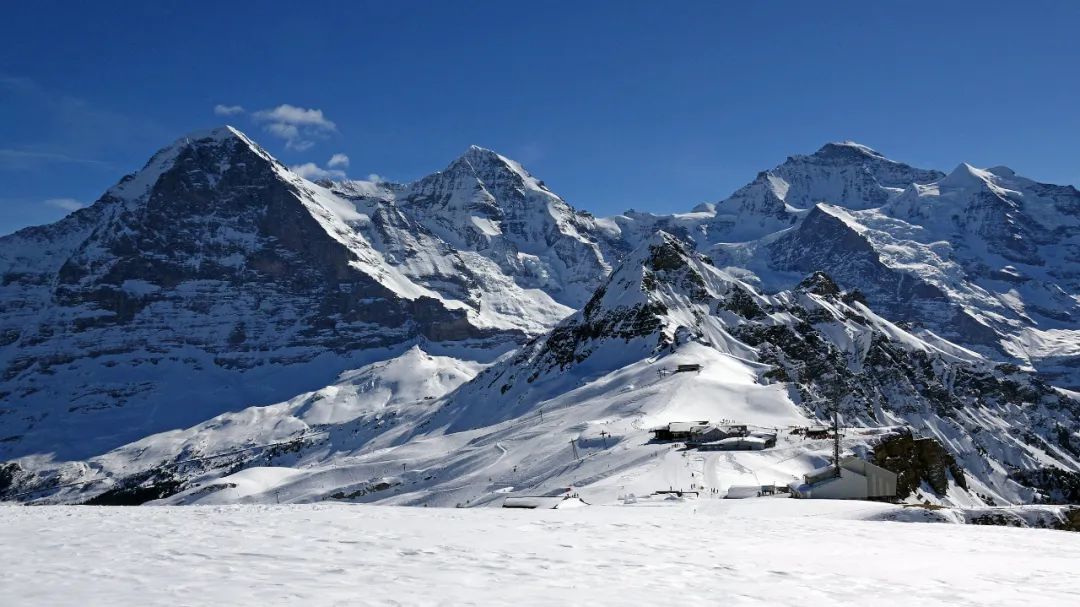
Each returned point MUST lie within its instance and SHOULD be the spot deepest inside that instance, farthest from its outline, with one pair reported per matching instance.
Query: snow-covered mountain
(771, 361)
(487, 206)
(211, 280)
(380, 318)
(985, 258)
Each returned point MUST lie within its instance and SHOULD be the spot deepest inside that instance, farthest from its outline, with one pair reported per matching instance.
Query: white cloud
(290, 114)
(285, 131)
(338, 161)
(298, 126)
(67, 204)
(375, 178)
(228, 110)
(312, 171)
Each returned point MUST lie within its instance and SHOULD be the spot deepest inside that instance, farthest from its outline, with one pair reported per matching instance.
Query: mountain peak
(218, 133)
(661, 248)
(214, 137)
(479, 156)
(218, 142)
(490, 167)
(966, 176)
(847, 150)
(224, 134)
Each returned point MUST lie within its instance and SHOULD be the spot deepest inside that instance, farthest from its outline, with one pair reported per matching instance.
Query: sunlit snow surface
(751, 552)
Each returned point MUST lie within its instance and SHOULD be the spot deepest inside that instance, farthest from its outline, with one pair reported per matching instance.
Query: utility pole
(573, 446)
(836, 441)
(604, 434)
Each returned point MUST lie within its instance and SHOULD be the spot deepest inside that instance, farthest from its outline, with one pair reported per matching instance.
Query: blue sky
(616, 105)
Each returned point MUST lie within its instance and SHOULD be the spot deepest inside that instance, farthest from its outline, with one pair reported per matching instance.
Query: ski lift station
(853, 479)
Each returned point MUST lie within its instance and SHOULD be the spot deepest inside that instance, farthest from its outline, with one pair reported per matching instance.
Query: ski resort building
(740, 443)
(858, 479)
(543, 502)
(677, 430)
(698, 432)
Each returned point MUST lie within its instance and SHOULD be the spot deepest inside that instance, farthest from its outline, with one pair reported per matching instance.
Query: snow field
(785, 553)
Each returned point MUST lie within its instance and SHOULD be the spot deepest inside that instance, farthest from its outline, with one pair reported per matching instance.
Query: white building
(544, 502)
(858, 480)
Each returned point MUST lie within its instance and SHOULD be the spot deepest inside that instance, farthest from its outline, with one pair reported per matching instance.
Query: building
(688, 368)
(738, 443)
(677, 430)
(699, 432)
(858, 480)
(706, 433)
(736, 492)
(768, 437)
(544, 502)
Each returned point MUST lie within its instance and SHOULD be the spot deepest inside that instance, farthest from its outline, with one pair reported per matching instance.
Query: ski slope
(780, 552)
(500, 450)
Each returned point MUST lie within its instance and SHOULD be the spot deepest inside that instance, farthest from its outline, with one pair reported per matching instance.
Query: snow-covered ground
(761, 551)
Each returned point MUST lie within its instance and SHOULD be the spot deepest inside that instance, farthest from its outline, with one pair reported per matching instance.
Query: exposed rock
(917, 461)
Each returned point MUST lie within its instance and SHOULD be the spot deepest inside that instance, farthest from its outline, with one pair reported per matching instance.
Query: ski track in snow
(754, 552)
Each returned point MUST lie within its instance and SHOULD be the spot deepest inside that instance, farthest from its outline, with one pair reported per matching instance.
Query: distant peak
(222, 139)
(485, 164)
(965, 175)
(1002, 171)
(847, 149)
(477, 158)
(476, 152)
(224, 134)
(221, 133)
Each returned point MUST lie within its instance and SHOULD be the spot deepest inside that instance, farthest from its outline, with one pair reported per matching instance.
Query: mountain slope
(768, 361)
(211, 279)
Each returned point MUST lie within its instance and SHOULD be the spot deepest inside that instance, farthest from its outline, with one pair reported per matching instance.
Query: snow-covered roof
(541, 502)
(533, 502)
(741, 440)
